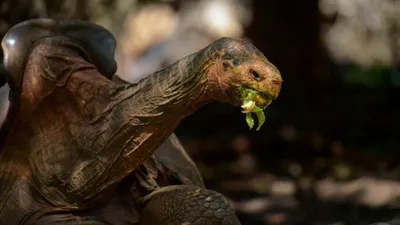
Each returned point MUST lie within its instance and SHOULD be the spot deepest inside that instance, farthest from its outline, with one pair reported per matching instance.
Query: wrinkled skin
(173, 157)
(78, 144)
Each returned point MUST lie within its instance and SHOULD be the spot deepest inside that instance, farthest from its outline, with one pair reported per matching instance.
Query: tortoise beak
(263, 100)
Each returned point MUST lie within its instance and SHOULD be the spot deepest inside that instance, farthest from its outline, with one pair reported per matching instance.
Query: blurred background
(329, 151)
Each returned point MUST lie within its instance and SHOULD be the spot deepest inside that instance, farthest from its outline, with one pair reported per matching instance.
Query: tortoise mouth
(252, 99)
(263, 100)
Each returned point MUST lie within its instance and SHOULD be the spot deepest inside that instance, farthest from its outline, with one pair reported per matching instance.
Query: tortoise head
(244, 76)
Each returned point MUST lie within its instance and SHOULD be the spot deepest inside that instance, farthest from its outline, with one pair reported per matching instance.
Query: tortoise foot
(187, 205)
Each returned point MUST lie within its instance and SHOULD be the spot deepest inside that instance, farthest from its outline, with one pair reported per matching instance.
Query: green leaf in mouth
(249, 120)
(260, 117)
(249, 107)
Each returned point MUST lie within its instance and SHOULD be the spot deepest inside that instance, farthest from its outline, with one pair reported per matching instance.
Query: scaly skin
(187, 205)
(174, 158)
(77, 135)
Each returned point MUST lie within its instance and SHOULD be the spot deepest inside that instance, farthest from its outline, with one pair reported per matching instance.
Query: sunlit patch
(218, 15)
(220, 19)
(11, 41)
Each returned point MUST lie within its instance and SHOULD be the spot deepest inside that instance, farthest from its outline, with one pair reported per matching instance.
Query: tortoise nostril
(276, 81)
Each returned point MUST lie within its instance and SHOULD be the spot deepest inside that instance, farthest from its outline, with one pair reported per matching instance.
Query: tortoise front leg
(187, 205)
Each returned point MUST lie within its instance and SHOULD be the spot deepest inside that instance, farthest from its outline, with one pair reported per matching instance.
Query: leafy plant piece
(249, 107)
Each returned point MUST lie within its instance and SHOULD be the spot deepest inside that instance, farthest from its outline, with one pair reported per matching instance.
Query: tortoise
(78, 147)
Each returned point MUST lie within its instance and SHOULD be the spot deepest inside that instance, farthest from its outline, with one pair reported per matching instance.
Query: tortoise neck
(150, 110)
(180, 87)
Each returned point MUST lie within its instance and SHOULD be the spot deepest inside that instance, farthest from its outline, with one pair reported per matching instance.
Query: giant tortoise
(77, 147)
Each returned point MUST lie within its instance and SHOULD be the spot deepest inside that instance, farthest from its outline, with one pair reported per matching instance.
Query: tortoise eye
(256, 76)
(225, 65)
